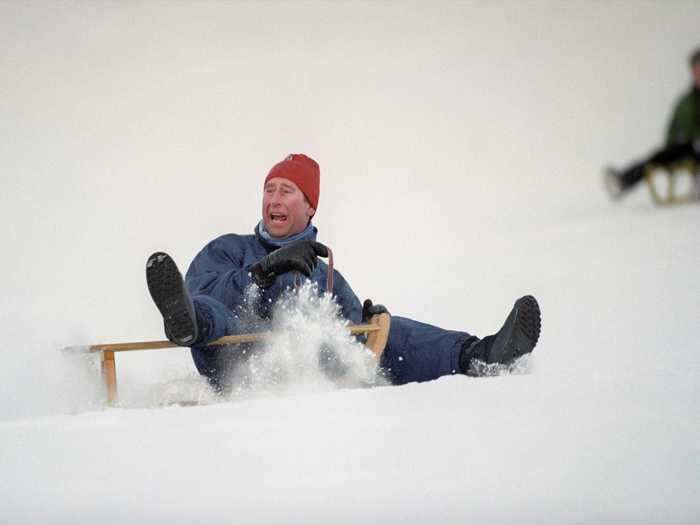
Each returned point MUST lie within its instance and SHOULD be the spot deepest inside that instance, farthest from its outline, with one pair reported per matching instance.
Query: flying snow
(310, 348)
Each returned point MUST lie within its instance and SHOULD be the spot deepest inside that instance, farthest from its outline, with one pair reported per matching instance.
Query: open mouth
(278, 218)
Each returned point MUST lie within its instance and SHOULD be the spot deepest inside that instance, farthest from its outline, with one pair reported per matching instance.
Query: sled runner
(666, 194)
(377, 331)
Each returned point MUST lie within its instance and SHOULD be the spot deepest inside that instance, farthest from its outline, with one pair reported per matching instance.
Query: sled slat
(377, 328)
(226, 340)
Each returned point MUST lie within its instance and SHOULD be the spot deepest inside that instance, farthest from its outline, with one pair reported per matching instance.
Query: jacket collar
(272, 243)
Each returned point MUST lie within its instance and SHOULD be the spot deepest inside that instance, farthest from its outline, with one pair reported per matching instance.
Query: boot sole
(520, 332)
(168, 291)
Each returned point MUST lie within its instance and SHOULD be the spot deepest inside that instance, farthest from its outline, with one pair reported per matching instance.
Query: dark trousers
(663, 157)
(414, 352)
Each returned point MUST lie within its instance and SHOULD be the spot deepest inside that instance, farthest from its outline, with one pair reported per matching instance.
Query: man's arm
(221, 270)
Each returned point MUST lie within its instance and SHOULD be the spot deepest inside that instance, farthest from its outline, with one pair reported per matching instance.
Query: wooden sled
(377, 331)
(674, 172)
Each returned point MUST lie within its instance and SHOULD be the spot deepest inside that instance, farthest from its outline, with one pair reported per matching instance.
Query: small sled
(667, 195)
(377, 331)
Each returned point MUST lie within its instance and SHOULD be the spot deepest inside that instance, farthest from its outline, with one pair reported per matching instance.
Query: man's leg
(672, 154)
(421, 352)
(190, 321)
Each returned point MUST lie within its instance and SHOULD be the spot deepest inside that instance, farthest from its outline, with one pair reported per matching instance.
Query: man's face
(696, 75)
(285, 209)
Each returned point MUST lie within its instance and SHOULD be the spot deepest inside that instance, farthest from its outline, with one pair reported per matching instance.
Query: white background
(461, 147)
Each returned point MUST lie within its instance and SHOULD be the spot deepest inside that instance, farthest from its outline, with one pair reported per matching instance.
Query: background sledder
(680, 155)
(206, 305)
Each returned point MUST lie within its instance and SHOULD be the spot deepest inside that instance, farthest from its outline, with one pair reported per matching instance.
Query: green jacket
(685, 123)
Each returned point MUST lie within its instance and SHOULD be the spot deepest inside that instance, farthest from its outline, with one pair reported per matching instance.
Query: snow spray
(310, 348)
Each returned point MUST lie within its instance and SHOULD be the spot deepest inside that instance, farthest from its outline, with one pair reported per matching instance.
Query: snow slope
(130, 128)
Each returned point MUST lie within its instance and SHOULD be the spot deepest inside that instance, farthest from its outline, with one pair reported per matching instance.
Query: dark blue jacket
(217, 280)
(221, 270)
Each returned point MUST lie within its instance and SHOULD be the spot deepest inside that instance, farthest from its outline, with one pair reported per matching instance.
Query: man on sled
(204, 306)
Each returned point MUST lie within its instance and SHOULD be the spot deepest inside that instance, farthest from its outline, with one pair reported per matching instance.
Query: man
(682, 139)
(207, 305)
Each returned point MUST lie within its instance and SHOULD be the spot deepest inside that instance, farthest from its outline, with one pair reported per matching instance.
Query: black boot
(172, 299)
(618, 183)
(517, 337)
(612, 181)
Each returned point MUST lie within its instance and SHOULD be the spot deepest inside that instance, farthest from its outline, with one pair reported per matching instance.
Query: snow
(461, 149)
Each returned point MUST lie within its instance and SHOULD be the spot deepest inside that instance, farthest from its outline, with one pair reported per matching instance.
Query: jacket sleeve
(351, 308)
(219, 271)
(680, 126)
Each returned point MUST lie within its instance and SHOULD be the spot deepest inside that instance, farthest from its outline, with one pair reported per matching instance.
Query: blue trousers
(414, 352)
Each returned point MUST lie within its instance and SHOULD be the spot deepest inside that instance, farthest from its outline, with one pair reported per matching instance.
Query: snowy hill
(481, 131)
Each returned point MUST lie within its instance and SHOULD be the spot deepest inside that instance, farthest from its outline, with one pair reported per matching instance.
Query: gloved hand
(369, 309)
(301, 256)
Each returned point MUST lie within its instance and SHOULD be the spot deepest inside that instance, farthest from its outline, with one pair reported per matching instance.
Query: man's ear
(310, 211)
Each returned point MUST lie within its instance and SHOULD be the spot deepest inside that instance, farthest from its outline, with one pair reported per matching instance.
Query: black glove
(369, 309)
(301, 256)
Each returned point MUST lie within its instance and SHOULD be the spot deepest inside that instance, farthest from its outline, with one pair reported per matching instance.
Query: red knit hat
(302, 171)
